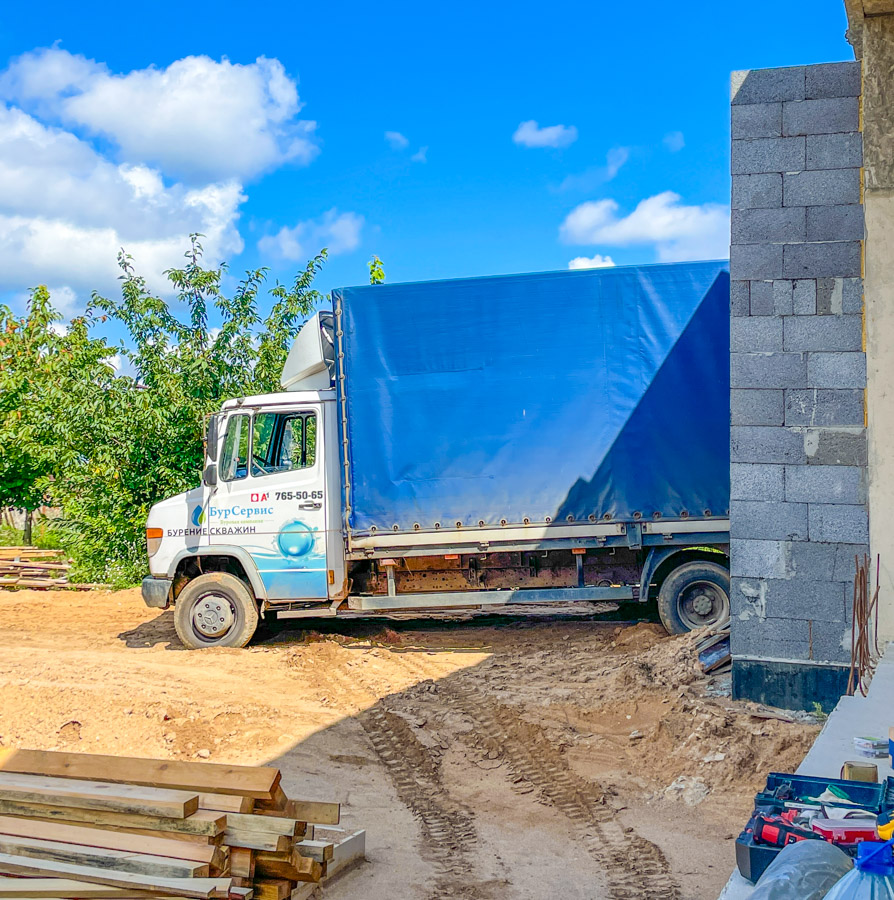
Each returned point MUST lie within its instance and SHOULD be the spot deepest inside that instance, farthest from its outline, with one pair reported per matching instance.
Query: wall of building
(798, 373)
(877, 50)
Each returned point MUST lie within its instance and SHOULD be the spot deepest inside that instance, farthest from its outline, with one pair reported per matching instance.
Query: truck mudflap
(156, 592)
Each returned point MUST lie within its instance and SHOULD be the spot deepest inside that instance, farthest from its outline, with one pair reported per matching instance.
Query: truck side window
(234, 458)
(283, 442)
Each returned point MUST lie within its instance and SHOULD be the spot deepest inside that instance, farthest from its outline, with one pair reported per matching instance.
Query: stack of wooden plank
(88, 827)
(28, 567)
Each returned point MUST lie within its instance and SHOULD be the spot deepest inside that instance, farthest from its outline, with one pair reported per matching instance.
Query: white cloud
(396, 140)
(674, 141)
(678, 232)
(65, 211)
(420, 156)
(596, 175)
(591, 262)
(530, 134)
(197, 119)
(339, 232)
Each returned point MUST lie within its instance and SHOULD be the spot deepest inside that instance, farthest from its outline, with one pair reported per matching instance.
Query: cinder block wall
(798, 372)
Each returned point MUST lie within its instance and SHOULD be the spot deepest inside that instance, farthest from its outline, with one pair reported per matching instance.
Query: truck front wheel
(694, 595)
(215, 610)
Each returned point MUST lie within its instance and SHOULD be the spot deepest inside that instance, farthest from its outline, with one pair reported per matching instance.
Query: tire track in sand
(635, 869)
(447, 827)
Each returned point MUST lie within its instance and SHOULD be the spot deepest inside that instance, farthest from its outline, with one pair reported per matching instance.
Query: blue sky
(136, 124)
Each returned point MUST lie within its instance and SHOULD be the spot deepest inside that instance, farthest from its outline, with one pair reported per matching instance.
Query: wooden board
(198, 888)
(315, 811)
(102, 858)
(265, 824)
(242, 862)
(204, 822)
(257, 840)
(112, 840)
(318, 850)
(259, 782)
(272, 889)
(226, 803)
(97, 795)
(61, 888)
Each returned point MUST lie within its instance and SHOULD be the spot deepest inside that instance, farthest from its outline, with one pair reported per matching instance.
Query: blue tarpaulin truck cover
(564, 396)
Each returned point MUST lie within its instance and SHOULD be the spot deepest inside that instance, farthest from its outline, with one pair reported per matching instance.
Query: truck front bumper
(156, 592)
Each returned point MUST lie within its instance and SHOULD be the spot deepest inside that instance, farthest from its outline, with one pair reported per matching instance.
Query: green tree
(108, 445)
(27, 456)
(376, 271)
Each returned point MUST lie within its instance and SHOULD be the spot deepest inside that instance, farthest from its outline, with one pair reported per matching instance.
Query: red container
(845, 831)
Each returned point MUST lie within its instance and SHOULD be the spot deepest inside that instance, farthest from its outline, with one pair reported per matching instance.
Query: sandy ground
(512, 756)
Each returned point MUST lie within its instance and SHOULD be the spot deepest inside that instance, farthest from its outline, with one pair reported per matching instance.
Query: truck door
(270, 498)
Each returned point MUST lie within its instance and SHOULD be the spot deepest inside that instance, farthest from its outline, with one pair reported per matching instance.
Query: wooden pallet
(89, 827)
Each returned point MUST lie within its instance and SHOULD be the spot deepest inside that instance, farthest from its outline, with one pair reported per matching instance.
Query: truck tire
(694, 595)
(215, 610)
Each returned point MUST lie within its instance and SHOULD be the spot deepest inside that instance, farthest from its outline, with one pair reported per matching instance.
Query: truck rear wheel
(215, 610)
(694, 595)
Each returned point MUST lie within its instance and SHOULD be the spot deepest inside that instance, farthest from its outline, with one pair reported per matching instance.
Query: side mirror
(209, 476)
(211, 436)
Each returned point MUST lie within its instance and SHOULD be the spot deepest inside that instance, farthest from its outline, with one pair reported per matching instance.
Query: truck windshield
(234, 459)
(282, 442)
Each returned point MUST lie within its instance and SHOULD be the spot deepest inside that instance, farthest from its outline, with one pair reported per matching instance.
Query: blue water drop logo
(295, 540)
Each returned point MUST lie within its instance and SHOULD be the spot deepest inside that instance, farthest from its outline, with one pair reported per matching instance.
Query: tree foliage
(104, 445)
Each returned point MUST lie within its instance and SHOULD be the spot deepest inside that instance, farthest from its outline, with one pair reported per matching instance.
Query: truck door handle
(310, 504)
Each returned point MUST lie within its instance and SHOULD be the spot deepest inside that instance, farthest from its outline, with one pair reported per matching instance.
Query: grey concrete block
(834, 151)
(757, 481)
(782, 297)
(841, 79)
(768, 521)
(762, 644)
(832, 447)
(768, 370)
(823, 333)
(758, 559)
(756, 120)
(834, 223)
(852, 295)
(759, 155)
(821, 187)
(830, 641)
(823, 406)
(845, 568)
(756, 333)
(739, 298)
(818, 601)
(758, 226)
(757, 191)
(804, 297)
(768, 85)
(839, 259)
(824, 484)
(836, 370)
(837, 296)
(758, 261)
(805, 560)
(762, 303)
(842, 523)
(824, 116)
(757, 444)
(756, 407)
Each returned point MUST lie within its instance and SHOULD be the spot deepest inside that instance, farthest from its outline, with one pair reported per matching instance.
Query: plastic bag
(872, 877)
(803, 871)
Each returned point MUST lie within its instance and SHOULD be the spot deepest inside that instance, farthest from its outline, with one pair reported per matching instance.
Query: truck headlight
(153, 540)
